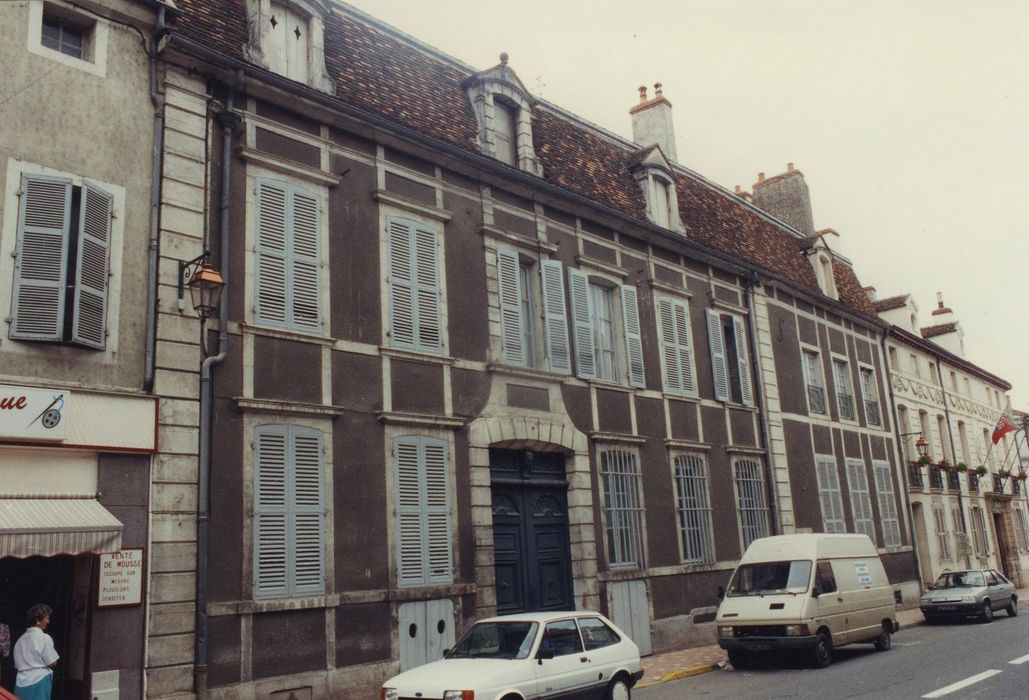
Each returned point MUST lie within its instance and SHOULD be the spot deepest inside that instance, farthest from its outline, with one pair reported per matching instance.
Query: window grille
(623, 508)
(694, 505)
(753, 504)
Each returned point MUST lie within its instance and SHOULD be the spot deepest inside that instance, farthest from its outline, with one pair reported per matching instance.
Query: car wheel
(618, 690)
(821, 655)
(739, 659)
(987, 614)
(1012, 608)
(884, 641)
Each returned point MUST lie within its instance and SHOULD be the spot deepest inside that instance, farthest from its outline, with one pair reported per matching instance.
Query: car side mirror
(544, 653)
(816, 591)
(721, 592)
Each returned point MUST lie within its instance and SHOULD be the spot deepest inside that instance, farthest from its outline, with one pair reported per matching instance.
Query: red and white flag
(1004, 427)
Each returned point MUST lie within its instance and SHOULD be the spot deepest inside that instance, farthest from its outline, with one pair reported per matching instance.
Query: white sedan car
(523, 657)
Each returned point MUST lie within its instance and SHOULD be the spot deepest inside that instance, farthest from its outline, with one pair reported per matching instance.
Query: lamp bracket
(188, 268)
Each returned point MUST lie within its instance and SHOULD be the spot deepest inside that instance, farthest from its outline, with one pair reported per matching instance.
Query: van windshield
(771, 577)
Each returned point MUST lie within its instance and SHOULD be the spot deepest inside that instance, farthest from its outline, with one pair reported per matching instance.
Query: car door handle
(584, 659)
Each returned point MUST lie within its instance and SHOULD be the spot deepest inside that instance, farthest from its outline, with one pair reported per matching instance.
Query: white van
(806, 593)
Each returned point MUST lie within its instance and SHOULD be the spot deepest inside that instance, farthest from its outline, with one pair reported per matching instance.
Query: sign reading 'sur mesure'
(30, 413)
(121, 578)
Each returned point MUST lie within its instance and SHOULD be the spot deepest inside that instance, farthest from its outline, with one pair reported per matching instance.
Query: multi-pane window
(730, 363)
(60, 36)
(520, 329)
(623, 508)
(753, 500)
(422, 483)
(415, 289)
(525, 305)
(813, 379)
(844, 392)
(860, 500)
(830, 495)
(942, 540)
(887, 502)
(870, 396)
(608, 340)
(1021, 529)
(61, 262)
(289, 512)
(505, 142)
(694, 508)
(288, 253)
(676, 346)
(975, 514)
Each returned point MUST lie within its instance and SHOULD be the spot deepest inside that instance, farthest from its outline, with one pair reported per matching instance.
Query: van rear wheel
(884, 641)
(821, 655)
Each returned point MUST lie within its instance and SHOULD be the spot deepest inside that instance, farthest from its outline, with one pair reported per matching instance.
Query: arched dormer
(288, 37)
(657, 181)
(820, 256)
(503, 113)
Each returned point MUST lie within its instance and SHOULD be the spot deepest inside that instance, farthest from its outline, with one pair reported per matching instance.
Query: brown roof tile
(939, 329)
(890, 303)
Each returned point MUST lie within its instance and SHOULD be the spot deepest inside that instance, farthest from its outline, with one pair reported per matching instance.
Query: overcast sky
(908, 120)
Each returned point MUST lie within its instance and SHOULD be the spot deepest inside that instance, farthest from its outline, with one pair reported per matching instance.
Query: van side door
(829, 606)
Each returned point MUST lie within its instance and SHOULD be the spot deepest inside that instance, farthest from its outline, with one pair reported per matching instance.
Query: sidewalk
(682, 663)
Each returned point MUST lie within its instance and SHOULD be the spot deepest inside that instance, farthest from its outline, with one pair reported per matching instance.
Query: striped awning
(49, 526)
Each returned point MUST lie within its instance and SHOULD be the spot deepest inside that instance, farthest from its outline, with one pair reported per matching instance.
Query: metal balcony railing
(953, 481)
(935, 478)
(973, 482)
(915, 476)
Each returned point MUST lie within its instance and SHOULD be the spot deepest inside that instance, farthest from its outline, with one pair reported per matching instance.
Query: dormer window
(822, 264)
(287, 37)
(654, 174)
(503, 112)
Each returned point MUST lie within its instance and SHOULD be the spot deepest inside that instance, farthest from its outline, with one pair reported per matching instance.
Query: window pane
(604, 332)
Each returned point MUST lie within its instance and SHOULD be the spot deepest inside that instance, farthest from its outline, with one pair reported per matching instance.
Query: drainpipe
(900, 454)
(160, 31)
(954, 455)
(228, 121)
(759, 400)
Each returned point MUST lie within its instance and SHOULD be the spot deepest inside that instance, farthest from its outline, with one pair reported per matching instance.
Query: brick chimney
(652, 122)
(786, 198)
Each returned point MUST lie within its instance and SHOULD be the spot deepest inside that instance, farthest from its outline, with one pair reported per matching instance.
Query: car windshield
(960, 579)
(496, 640)
(771, 577)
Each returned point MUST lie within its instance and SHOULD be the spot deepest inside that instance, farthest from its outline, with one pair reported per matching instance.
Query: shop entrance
(63, 583)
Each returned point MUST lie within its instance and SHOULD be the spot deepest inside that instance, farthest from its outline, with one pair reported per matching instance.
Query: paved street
(961, 660)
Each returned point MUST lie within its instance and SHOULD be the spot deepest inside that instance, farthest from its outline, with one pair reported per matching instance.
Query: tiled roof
(384, 74)
(890, 303)
(939, 329)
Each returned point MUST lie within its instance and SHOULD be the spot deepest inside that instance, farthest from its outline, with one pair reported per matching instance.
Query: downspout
(155, 203)
(759, 400)
(228, 121)
(900, 453)
(954, 456)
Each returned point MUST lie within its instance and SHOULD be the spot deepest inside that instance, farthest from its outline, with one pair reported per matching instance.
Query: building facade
(78, 425)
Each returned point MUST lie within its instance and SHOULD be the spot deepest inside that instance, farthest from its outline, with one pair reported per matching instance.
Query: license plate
(759, 647)
(946, 608)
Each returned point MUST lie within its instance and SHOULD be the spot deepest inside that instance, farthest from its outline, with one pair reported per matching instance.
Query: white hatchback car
(523, 657)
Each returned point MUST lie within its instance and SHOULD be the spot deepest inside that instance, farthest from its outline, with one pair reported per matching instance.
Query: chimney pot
(643, 94)
(657, 91)
(760, 177)
(789, 167)
(738, 188)
(939, 300)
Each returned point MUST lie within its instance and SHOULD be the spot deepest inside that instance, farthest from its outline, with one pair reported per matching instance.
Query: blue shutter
(40, 263)
(410, 566)
(428, 290)
(582, 324)
(633, 338)
(308, 512)
(89, 317)
(512, 336)
(271, 276)
(304, 261)
(437, 546)
(719, 368)
(555, 317)
(400, 234)
(743, 360)
(674, 320)
(271, 542)
(423, 528)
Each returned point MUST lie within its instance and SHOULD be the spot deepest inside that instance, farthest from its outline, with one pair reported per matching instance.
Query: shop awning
(49, 526)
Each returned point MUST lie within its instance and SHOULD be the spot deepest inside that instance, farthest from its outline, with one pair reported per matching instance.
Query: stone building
(475, 355)
(78, 424)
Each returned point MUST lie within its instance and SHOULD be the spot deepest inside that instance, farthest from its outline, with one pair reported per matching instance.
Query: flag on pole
(1004, 427)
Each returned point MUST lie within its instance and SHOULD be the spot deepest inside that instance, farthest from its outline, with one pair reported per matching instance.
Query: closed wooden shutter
(308, 516)
(304, 262)
(582, 324)
(719, 368)
(512, 335)
(40, 262)
(674, 320)
(430, 338)
(271, 275)
(89, 314)
(414, 284)
(437, 511)
(743, 361)
(423, 527)
(555, 317)
(271, 541)
(633, 337)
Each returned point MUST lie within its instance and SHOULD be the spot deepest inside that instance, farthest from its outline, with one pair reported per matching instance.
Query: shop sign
(28, 413)
(121, 579)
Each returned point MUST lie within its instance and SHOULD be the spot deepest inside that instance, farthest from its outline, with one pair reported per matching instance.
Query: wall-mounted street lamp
(921, 446)
(205, 285)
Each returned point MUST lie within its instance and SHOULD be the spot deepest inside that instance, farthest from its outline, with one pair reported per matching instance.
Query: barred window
(753, 503)
(870, 395)
(833, 517)
(942, 541)
(887, 502)
(813, 378)
(694, 505)
(623, 508)
(844, 392)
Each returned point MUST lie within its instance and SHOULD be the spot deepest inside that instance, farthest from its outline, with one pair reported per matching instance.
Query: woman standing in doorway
(35, 657)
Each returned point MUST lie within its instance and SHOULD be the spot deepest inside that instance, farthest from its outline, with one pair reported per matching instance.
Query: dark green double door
(530, 531)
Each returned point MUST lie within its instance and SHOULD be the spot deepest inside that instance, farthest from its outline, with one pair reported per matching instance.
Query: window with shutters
(979, 542)
(752, 500)
(960, 536)
(61, 275)
(73, 38)
(288, 257)
(1022, 529)
(622, 487)
(287, 37)
(673, 321)
(815, 383)
(693, 505)
(942, 538)
(606, 329)
(870, 396)
(829, 494)
(730, 361)
(887, 502)
(289, 511)
(860, 498)
(422, 495)
(415, 280)
(844, 390)
(533, 316)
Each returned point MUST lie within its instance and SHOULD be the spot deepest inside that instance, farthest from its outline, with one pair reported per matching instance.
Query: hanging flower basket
(1021, 476)
(944, 465)
(960, 467)
(980, 470)
(1003, 473)
(922, 461)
